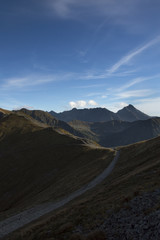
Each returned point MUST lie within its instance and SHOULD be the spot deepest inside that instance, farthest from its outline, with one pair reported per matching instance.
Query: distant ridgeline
(100, 125)
(109, 129)
(129, 113)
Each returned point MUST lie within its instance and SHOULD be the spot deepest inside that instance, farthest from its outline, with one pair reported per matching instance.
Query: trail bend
(19, 220)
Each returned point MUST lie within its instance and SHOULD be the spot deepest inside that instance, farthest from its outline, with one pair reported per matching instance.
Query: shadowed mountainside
(119, 133)
(137, 131)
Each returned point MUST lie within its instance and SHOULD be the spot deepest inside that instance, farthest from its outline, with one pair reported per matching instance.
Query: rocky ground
(138, 219)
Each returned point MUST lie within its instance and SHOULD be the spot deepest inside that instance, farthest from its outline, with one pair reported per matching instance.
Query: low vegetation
(136, 172)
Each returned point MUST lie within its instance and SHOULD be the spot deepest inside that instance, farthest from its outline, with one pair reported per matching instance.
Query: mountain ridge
(48, 119)
(129, 113)
(117, 132)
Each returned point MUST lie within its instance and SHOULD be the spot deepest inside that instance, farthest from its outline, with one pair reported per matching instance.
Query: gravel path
(19, 220)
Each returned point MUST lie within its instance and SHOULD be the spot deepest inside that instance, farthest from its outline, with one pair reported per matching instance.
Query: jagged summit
(88, 115)
(129, 113)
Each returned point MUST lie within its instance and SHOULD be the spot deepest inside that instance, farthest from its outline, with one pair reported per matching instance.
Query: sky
(61, 54)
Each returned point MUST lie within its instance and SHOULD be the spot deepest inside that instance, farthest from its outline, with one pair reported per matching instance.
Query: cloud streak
(133, 93)
(149, 105)
(137, 81)
(73, 9)
(124, 60)
(33, 80)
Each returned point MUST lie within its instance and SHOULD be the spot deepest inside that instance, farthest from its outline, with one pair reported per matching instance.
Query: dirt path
(19, 220)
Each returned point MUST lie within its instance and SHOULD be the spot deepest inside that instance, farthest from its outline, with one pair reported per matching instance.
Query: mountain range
(129, 113)
(109, 133)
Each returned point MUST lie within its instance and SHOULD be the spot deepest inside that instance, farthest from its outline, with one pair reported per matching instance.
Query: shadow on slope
(137, 172)
(119, 133)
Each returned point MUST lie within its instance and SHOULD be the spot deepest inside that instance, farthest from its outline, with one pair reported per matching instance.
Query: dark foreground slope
(38, 164)
(122, 207)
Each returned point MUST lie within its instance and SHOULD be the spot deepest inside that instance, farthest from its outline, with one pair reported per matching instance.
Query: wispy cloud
(120, 92)
(137, 81)
(63, 8)
(149, 105)
(77, 9)
(91, 86)
(93, 94)
(124, 60)
(11, 103)
(106, 75)
(133, 93)
(33, 80)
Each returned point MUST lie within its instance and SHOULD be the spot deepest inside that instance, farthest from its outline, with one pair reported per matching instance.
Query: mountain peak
(130, 113)
(130, 106)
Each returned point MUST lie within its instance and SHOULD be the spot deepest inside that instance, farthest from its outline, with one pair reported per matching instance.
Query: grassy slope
(85, 129)
(5, 111)
(137, 171)
(38, 164)
(46, 118)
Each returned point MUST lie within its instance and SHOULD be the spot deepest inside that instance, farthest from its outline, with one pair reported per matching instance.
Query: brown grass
(4, 111)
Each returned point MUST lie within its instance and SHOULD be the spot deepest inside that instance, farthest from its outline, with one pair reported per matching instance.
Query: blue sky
(60, 54)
